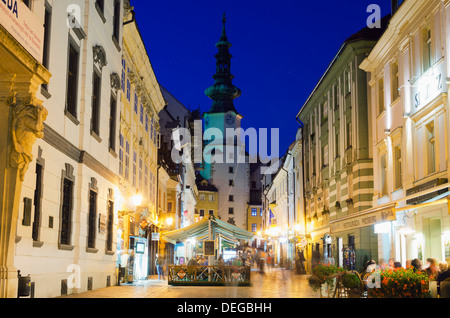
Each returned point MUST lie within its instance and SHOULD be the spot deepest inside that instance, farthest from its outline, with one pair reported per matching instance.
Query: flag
(271, 216)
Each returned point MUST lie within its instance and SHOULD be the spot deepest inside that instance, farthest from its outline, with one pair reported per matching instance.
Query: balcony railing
(209, 275)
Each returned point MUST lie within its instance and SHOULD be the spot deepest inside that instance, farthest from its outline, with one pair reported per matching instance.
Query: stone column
(21, 122)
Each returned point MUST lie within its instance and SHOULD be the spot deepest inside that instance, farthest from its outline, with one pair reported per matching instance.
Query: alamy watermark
(211, 146)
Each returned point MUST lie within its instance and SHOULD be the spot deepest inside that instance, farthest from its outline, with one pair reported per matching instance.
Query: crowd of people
(437, 271)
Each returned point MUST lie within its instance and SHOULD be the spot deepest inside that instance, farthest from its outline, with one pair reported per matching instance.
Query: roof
(201, 186)
(200, 231)
(370, 34)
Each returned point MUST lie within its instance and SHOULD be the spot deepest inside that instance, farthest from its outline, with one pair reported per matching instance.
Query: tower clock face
(229, 120)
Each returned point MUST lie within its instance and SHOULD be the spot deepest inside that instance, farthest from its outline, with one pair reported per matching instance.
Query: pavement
(276, 283)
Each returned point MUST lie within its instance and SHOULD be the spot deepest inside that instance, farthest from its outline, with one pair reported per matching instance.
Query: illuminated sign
(367, 219)
(427, 87)
(23, 25)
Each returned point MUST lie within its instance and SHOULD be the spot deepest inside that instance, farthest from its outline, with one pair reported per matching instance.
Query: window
(349, 134)
(230, 210)
(134, 169)
(116, 19)
(394, 81)
(128, 90)
(136, 102)
(254, 212)
(253, 184)
(254, 227)
(383, 171)
(211, 198)
(230, 170)
(202, 213)
(140, 173)
(336, 142)
(146, 178)
(428, 53)
(211, 212)
(348, 82)
(431, 148)
(95, 118)
(28, 3)
(146, 123)
(202, 197)
(101, 5)
(231, 198)
(66, 212)
(169, 207)
(46, 45)
(141, 114)
(336, 96)
(124, 64)
(380, 95)
(260, 212)
(398, 167)
(92, 218)
(109, 226)
(112, 123)
(325, 155)
(324, 109)
(121, 145)
(230, 183)
(72, 80)
(127, 160)
(37, 203)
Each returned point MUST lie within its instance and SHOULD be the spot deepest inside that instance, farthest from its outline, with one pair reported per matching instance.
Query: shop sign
(366, 219)
(427, 87)
(23, 25)
(424, 187)
(155, 236)
(209, 248)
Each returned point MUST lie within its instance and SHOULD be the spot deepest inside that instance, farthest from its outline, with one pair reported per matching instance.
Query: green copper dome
(223, 92)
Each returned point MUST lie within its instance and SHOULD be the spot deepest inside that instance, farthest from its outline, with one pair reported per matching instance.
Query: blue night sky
(280, 50)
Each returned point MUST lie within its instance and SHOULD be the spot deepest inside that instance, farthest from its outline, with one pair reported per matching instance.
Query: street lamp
(137, 199)
(169, 221)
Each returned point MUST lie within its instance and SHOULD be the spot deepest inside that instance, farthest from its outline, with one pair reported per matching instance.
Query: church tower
(226, 162)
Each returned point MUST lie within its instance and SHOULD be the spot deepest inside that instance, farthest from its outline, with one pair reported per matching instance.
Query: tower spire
(223, 92)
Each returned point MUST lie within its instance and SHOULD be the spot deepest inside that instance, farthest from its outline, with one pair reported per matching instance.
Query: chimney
(394, 6)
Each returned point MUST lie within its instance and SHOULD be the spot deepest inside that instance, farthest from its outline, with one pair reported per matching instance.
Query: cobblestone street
(277, 283)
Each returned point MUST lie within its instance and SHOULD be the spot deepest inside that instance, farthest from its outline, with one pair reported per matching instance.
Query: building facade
(408, 69)
(139, 141)
(66, 233)
(338, 163)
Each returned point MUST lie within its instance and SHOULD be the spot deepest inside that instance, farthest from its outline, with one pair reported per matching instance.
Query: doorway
(432, 238)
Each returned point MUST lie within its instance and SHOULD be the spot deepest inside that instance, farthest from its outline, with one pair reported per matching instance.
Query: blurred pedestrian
(397, 265)
(262, 261)
(159, 263)
(432, 269)
(416, 265)
(391, 263)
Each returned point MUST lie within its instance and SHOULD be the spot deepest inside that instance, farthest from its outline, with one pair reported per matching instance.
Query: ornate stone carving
(27, 124)
(115, 82)
(99, 56)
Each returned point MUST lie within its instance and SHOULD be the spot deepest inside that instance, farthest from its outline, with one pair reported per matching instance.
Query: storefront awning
(203, 229)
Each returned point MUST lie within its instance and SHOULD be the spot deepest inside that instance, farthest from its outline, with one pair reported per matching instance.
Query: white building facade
(409, 105)
(66, 230)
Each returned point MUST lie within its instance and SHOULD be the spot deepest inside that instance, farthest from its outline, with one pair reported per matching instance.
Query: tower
(226, 163)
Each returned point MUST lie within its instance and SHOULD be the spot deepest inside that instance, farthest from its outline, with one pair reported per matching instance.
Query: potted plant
(321, 278)
(352, 283)
(399, 283)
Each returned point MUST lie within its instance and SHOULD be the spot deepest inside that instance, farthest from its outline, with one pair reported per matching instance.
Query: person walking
(159, 263)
